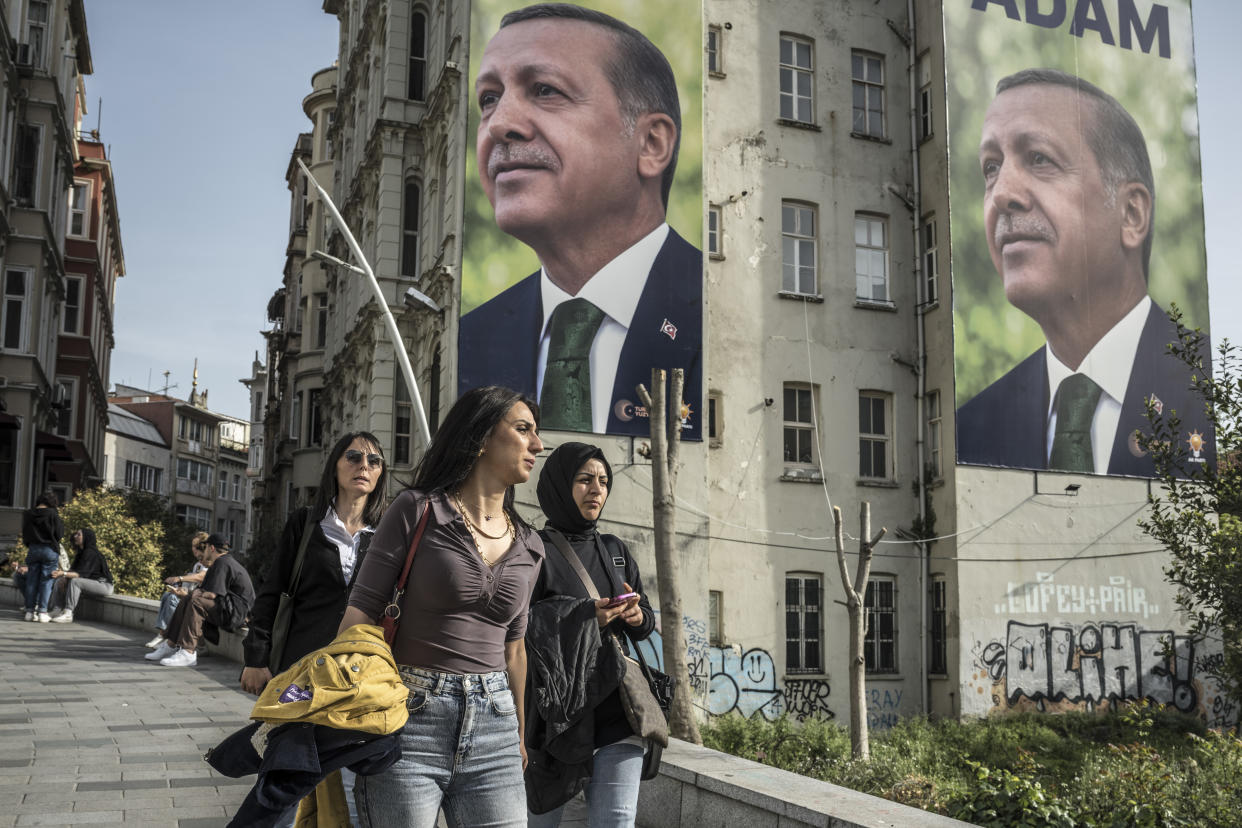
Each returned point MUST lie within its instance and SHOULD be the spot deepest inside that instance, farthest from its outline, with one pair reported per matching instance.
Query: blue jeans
(612, 793)
(459, 749)
(42, 561)
(168, 605)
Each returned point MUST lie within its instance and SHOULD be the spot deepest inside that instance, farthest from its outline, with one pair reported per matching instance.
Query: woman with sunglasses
(459, 643)
(346, 511)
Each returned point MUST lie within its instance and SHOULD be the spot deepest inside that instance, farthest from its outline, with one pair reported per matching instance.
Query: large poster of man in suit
(1077, 221)
(582, 268)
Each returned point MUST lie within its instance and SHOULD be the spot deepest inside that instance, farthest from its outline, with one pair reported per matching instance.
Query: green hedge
(1140, 767)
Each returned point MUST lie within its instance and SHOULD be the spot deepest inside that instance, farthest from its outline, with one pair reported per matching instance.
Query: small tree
(665, 440)
(146, 508)
(133, 551)
(855, 594)
(1197, 512)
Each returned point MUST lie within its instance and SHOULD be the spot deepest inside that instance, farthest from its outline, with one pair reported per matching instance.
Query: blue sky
(201, 105)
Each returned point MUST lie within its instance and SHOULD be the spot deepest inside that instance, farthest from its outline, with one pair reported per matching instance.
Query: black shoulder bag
(647, 715)
(284, 610)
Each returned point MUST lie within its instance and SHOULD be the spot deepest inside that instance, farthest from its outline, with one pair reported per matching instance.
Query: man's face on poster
(555, 155)
(1051, 222)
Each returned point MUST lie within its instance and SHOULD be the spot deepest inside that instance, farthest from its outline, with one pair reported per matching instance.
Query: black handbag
(284, 609)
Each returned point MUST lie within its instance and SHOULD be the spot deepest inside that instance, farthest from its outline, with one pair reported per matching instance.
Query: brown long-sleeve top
(457, 612)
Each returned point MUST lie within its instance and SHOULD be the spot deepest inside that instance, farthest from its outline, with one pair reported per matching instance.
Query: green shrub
(133, 551)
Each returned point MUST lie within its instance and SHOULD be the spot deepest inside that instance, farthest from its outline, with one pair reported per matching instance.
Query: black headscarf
(90, 562)
(556, 482)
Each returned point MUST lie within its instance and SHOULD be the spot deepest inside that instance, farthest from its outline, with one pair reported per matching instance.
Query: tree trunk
(855, 593)
(665, 442)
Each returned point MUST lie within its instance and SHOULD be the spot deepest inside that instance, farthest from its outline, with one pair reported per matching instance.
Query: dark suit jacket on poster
(1006, 423)
(499, 340)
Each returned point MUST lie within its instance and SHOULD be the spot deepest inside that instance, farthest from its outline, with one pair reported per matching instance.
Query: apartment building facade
(831, 355)
(46, 51)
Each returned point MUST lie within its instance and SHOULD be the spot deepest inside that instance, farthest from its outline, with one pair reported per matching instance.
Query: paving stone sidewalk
(91, 733)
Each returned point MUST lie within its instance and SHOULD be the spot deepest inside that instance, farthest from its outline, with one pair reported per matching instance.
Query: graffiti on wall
(883, 708)
(730, 679)
(1118, 596)
(1064, 666)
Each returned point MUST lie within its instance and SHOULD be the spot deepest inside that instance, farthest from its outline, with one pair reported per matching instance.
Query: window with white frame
(925, 113)
(715, 418)
(715, 58)
(68, 393)
(714, 243)
(193, 471)
(715, 631)
(409, 231)
(321, 319)
(314, 417)
(939, 638)
(871, 258)
(37, 31)
(28, 141)
(194, 516)
(803, 620)
(933, 434)
(13, 333)
(142, 477)
(867, 75)
(880, 617)
(797, 95)
(799, 416)
(237, 487)
(403, 425)
(71, 319)
(798, 249)
(79, 208)
(931, 264)
(295, 417)
(874, 433)
(224, 486)
(417, 86)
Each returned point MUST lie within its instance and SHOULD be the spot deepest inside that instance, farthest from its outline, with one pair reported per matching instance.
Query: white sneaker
(30, 616)
(57, 613)
(44, 618)
(65, 617)
(154, 642)
(181, 658)
(164, 650)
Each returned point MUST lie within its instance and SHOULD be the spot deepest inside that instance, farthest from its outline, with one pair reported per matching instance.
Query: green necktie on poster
(566, 399)
(1071, 443)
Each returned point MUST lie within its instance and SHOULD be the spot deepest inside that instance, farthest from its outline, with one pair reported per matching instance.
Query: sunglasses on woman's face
(373, 460)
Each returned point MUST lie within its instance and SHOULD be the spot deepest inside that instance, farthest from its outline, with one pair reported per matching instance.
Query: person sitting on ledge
(177, 587)
(223, 601)
(90, 574)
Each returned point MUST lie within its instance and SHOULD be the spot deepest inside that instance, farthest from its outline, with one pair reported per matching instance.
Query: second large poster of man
(1077, 222)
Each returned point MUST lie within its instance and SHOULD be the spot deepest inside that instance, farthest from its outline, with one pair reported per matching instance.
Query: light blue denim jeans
(42, 561)
(612, 793)
(459, 750)
(168, 605)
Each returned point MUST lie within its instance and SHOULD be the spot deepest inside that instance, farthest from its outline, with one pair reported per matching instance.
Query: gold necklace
(474, 528)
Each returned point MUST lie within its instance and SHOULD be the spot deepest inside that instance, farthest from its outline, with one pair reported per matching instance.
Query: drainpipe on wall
(921, 358)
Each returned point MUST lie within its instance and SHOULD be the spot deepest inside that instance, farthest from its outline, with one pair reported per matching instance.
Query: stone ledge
(698, 786)
(127, 611)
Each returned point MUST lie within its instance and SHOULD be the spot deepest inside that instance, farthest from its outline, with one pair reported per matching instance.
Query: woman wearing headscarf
(573, 488)
(89, 574)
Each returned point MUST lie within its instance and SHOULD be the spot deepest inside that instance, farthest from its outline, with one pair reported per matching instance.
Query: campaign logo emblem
(1196, 444)
(293, 693)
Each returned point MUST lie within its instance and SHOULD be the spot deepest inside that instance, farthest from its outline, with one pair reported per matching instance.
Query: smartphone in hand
(621, 599)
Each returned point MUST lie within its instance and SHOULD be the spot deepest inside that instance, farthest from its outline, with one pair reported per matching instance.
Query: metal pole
(397, 343)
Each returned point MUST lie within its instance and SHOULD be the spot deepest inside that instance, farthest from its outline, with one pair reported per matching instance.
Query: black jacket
(90, 562)
(42, 527)
(319, 603)
(609, 563)
(569, 673)
(230, 581)
(297, 758)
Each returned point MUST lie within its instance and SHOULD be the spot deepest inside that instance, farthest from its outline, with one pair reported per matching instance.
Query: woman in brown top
(463, 619)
